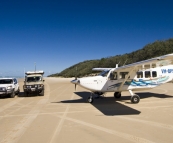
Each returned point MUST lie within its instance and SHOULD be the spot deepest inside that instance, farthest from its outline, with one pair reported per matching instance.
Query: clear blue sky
(59, 33)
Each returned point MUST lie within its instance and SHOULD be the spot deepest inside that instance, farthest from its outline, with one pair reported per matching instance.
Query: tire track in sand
(8, 105)
(19, 129)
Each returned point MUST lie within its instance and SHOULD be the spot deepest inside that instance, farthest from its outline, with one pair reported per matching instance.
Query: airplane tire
(117, 94)
(90, 99)
(135, 99)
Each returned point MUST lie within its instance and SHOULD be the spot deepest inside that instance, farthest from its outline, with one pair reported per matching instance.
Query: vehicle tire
(26, 93)
(90, 99)
(12, 95)
(18, 91)
(117, 94)
(135, 99)
(41, 93)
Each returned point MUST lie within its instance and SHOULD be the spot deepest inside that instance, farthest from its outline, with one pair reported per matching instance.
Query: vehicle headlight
(3, 88)
(40, 85)
(36, 86)
(28, 86)
(9, 87)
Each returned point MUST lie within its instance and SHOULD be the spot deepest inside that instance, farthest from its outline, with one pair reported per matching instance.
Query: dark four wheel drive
(34, 83)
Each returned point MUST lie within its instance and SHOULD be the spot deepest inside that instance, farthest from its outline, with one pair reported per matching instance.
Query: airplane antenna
(117, 64)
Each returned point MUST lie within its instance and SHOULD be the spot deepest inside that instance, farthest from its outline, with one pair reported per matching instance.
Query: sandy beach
(63, 115)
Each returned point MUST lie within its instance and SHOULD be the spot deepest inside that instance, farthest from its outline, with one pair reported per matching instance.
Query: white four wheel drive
(9, 86)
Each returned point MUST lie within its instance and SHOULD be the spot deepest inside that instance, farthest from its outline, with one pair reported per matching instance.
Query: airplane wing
(101, 69)
(166, 59)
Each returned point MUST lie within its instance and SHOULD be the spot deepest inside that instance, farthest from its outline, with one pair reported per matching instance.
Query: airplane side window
(123, 75)
(147, 74)
(139, 74)
(113, 76)
(154, 74)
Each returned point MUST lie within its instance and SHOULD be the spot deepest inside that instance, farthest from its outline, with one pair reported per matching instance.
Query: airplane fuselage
(138, 80)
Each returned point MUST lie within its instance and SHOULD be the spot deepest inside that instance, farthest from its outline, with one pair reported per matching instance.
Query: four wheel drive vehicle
(9, 86)
(34, 83)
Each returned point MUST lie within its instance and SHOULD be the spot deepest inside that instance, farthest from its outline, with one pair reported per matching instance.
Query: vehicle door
(16, 85)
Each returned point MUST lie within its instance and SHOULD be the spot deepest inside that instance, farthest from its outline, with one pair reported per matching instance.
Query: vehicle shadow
(22, 94)
(107, 105)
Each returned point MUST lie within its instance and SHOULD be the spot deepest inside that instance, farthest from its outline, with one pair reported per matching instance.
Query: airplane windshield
(104, 73)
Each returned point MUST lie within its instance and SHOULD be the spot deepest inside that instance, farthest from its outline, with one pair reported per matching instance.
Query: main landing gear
(117, 94)
(134, 98)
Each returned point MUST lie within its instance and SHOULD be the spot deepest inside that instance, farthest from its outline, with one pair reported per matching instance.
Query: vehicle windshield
(103, 73)
(34, 79)
(6, 81)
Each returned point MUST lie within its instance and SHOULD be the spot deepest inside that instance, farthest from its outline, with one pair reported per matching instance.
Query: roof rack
(34, 72)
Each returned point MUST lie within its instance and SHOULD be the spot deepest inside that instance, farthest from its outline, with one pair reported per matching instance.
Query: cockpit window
(34, 79)
(113, 76)
(104, 73)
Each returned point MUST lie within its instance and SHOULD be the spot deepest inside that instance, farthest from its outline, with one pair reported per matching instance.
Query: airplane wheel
(117, 94)
(135, 99)
(90, 99)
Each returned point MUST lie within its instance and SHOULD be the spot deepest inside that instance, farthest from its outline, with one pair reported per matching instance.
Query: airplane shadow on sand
(109, 105)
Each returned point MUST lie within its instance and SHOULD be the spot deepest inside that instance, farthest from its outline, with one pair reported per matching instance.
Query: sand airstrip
(62, 115)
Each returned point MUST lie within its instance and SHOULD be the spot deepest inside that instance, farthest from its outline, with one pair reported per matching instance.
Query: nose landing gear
(90, 99)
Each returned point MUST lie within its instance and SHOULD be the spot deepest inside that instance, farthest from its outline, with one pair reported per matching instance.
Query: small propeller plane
(141, 75)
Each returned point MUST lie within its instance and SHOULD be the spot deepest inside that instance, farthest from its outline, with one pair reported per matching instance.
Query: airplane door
(112, 83)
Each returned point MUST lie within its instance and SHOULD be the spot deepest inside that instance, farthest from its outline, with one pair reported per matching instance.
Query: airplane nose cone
(75, 81)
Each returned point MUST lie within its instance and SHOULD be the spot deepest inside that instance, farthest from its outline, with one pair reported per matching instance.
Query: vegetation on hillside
(155, 49)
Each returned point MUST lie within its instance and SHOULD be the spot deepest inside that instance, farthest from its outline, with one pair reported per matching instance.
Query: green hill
(155, 49)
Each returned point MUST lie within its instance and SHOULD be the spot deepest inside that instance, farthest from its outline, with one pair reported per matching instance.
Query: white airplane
(142, 75)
